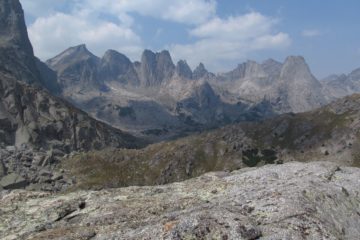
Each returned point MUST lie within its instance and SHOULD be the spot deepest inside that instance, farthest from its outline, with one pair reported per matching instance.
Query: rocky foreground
(316, 200)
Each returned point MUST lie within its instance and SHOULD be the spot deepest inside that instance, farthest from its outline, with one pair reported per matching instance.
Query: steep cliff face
(13, 31)
(16, 52)
(303, 90)
(156, 68)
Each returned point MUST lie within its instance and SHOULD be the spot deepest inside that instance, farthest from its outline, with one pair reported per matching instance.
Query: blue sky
(220, 34)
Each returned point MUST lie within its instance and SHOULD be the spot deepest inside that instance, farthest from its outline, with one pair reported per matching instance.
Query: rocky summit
(291, 201)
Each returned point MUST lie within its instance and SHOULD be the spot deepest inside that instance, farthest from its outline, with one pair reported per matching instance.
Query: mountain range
(158, 100)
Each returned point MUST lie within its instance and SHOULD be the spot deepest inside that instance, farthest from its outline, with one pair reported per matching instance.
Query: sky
(219, 33)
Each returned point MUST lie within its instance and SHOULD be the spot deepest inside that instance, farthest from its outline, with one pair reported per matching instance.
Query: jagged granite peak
(303, 92)
(71, 55)
(183, 69)
(155, 68)
(113, 55)
(165, 67)
(200, 71)
(297, 67)
(77, 69)
(115, 66)
(148, 69)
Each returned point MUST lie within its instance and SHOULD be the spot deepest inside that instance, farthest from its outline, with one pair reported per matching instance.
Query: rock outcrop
(292, 201)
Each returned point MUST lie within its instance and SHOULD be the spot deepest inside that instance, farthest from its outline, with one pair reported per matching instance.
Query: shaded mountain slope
(330, 133)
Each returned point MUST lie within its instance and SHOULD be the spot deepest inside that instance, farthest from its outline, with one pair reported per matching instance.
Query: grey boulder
(13, 181)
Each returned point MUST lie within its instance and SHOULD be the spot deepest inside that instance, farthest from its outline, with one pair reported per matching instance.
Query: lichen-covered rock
(292, 201)
(13, 181)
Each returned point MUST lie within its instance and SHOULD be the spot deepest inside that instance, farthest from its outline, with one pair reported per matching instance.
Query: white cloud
(249, 25)
(64, 23)
(311, 33)
(41, 8)
(230, 39)
(52, 34)
(181, 11)
(111, 24)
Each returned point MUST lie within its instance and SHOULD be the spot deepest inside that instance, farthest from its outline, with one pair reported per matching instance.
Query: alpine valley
(107, 148)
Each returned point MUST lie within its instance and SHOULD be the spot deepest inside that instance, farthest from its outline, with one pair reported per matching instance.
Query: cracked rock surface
(295, 200)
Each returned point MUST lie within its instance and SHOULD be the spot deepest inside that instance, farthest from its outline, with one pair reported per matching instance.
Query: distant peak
(80, 48)
(111, 52)
(201, 66)
(295, 59)
(113, 57)
(200, 71)
(165, 52)
(270, 61)
(148, 53)
(356, 71)
(183, 69)
(77, 52)
(295, 67)
(114, 54)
